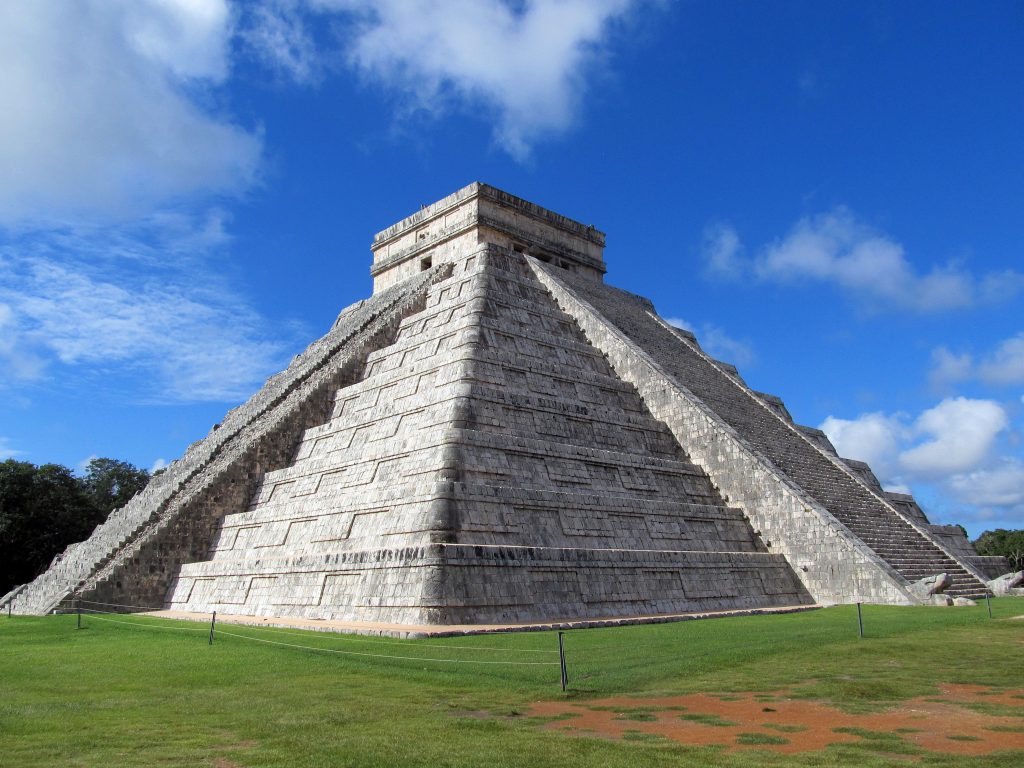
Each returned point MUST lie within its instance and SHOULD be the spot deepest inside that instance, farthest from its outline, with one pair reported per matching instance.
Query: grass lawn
(154, 692)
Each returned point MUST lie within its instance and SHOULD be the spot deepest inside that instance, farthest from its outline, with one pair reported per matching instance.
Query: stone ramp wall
(993, 566)
(127, 558)
(833, 486)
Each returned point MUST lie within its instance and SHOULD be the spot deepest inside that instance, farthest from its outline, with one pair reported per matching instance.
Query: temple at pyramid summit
(496, 436)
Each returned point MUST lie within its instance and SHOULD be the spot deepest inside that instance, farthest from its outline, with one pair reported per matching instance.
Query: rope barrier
(382, 641)
(92, 613)
(387, 656)
(385, 641)
(145, 624)
(121, 605)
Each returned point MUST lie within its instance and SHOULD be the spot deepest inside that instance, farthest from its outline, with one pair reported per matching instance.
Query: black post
(561, 659)
(213, 622)
(860, 621)
(79, 604)
(988, 603)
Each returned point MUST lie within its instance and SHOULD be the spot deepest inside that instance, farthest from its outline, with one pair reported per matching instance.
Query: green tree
(42, 510)
(1009, 544)
(111, 483)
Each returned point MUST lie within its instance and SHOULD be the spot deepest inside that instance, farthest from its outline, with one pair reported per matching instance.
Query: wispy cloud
(1002, 366)
(106, 109)
(175, 326)
(278, 33)
(6, 451)
(868, 265)
(717, 343)
(524, 66)
(1001, 485)
(722, 251)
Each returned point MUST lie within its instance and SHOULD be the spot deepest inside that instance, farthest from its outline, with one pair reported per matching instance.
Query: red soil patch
(942, 723)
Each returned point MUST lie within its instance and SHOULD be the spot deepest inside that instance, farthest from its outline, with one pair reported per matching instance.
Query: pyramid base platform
(418, 631)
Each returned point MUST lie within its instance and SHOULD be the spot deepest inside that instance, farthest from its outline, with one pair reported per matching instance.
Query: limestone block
(931, 585)
(1006, 582)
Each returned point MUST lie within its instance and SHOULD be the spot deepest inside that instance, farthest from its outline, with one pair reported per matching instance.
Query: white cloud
(20, 363)
(721, 251)
(102, 115)
(159, 464)
(717, 343)
(1006, 364)
(141, 311)
(6, 451)
(955, 436)
(835, 247)
(276, 31)
(188, 37)
(952, 449)
(872, 267)
(83, 465)
(1003, 366)
(871, 437)
(999, 486)
(959, 434)
(948, 367)
(523, 64)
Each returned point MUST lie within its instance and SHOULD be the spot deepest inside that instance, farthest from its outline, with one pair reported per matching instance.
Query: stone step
(834, 485)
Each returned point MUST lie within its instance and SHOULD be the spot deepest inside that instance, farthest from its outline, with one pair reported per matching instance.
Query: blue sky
(829, 194)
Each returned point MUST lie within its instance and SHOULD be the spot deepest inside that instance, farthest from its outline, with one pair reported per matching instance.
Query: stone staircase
(224, 457)
(848, 498)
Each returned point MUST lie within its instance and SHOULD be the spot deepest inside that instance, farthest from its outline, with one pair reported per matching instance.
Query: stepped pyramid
(496, 436)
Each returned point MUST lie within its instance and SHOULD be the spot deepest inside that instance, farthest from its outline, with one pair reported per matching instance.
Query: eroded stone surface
(1005, 584)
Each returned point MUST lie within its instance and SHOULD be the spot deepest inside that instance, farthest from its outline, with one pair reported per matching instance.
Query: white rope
(147, 624)
(386, 656)
(91, 612)
(121, 605)
(407, 643)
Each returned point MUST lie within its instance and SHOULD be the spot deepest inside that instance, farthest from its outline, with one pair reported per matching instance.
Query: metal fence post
(860, 621)
(561, 659)
(213, 622)
(988, 604)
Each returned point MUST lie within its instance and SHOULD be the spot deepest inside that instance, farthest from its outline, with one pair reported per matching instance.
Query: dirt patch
(953, 724)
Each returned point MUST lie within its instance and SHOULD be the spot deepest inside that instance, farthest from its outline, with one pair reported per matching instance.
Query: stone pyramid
(496, 436)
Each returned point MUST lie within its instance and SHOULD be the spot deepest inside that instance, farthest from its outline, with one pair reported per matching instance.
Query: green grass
(706, 719)
(124, 695)
(760, 738)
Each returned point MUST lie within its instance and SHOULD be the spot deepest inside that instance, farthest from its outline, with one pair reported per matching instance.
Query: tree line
(45, 508)
(1009, 544)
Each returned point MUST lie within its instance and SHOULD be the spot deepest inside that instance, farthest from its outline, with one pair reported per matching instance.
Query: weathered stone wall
(475, 215)
(214, 468)
(834, 565)
(848, 489)
(992, 566)
(489, 466)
